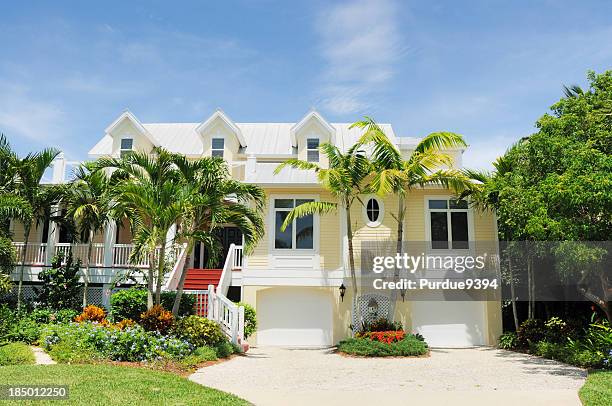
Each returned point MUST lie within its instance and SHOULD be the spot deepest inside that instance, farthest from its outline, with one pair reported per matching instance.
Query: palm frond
(306, 209)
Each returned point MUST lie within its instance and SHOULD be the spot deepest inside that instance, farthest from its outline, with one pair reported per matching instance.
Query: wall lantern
(342, 291)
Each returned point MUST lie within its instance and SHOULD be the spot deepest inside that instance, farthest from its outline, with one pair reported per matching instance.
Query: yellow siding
(127, 130)
(35, 232)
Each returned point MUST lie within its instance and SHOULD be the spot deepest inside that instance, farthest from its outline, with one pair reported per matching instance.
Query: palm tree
(146, 188)
(344, 180)
(394, 174)
(89, 205)
(22, 178)
(215, 199)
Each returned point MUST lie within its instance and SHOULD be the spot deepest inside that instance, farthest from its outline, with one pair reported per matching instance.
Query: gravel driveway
(475, 376)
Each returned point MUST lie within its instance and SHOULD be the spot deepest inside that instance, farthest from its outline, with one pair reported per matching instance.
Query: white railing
(35, 253)
(237, 261)
(227, 314)
(79, 252)
(234, 257)
(179, 265)
(122, 252)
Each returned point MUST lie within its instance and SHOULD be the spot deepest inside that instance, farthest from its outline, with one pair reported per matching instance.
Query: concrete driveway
(475, 376)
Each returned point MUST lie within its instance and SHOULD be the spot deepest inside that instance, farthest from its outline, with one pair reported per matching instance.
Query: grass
(16, 354)
(597, 391)
(115, 385)
(410, 346)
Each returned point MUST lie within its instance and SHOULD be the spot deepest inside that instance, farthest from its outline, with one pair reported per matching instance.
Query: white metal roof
(260, 138)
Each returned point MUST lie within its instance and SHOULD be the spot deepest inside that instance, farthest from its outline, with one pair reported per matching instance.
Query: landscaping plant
(60, 284)
(408, 346)
(131, 303)
(157, 319)
(250, 319)
(199, 331)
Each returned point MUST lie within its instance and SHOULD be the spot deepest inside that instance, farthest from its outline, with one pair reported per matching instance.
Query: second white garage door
(294, 317)
(448, 323)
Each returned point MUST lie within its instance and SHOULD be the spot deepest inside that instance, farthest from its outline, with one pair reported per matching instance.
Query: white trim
(279, 256)
(470, 218)
(381, 211)
(127, 115)
(312, 115)
(293, 277)
(229, 124)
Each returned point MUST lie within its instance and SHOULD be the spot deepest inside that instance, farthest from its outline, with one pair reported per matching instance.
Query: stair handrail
(226, 275)
(177, 270)
(227, 314)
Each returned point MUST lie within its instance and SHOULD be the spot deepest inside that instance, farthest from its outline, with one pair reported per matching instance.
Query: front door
(227, 236)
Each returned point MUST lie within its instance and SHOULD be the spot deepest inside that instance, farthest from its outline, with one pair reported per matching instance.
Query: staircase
(199, 279)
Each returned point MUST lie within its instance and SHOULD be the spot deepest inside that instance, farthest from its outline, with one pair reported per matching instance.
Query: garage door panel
(297, 317)
(450, 324)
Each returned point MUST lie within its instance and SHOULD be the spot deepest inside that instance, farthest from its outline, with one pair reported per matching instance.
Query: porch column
(52, 235)
(109, 242)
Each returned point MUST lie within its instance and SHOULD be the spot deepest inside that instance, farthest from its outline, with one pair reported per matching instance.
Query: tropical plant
(344, 179)
(30, 201)
(213, 199)
(60, 283)
(88, 204)
(146, 188)
(392, 173)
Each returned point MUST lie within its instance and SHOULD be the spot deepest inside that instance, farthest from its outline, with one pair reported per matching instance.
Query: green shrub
(224, 349)
(200, 355)
(131, 303)
(157, 319)
(550, 350)
(250, 319)
(16, 354)
(530, 332)
(61, 286)
(508, 340)
(25, 330)
(409, 346)
(7, 320)
(199, 331)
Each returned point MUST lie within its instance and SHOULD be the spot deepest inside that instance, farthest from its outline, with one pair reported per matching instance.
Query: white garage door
(450, 324)
(294, 317)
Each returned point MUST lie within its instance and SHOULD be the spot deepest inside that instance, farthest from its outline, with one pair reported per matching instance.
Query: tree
(394, 174)
(146, 188)
(344, 179)
(556, 184)
(22, 179)
(215, 199)
(88, 204)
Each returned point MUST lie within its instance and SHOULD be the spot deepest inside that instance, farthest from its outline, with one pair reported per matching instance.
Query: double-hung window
(448, 223)
(299, 234)
(218, 145)
(312, 149)
(126, 147)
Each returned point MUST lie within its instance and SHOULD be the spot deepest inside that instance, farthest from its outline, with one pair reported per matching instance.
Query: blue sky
(485, 69)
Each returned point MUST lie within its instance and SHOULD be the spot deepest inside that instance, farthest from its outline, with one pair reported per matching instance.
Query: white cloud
(483, 152)
(360, 42)
(24, 115)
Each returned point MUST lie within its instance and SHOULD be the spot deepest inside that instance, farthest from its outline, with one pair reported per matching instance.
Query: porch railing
(35, 253)
(227, 314)
(79, 251)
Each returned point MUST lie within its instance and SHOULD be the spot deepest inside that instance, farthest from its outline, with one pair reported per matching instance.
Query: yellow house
(294, 277)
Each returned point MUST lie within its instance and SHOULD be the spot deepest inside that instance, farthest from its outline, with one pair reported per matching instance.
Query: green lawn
(15, 354)
(597, 391)
(115, 385)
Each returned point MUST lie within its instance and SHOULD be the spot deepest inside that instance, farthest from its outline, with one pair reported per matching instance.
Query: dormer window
(312, 149)
(218, 146)
(127, 147)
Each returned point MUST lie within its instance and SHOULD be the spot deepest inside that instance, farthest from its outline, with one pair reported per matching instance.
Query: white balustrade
(227, 314)
(35, 253)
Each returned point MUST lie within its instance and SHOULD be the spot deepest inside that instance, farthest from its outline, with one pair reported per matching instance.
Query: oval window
(373, 211)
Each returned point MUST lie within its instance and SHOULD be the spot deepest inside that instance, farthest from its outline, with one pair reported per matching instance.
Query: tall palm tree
(215, 199)
(22, 178)
(344, 179)
(89, 205)
(394, 174)
(146, 188)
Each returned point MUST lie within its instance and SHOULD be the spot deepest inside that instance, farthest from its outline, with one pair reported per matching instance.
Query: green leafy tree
(147, 189)
(33, 205)
(89, 206)
(60, 283)
(344, 179)
(214, 199)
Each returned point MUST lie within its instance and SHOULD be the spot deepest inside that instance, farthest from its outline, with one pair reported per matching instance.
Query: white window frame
(121, 150)
(315, 232)
(212, 150)
(381, 211)
(313, 149)
(470, 223)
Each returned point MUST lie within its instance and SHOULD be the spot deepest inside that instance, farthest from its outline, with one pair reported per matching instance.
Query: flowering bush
(386, 337)
(362, 346)
(157, 319)
(92, 313)
(125, 323)
(130, 344)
